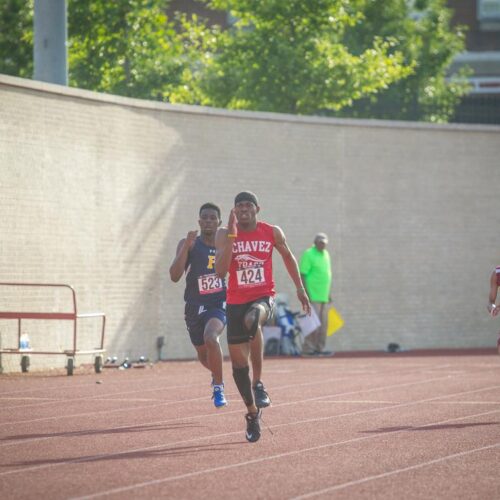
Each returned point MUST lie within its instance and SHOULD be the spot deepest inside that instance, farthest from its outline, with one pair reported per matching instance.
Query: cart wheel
(25, 364)
(98, 364)
(70, 366)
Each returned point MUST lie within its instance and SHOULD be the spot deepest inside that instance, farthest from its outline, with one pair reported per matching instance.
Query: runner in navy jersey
(205, 295)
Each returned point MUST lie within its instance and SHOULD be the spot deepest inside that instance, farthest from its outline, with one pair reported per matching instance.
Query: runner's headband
(246, 196)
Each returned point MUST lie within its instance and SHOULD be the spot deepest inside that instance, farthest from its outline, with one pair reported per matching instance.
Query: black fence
(480, 109)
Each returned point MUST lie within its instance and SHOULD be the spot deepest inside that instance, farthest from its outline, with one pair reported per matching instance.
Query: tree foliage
(429, 44)
(16, 38)
(128, 47)
(289, 57)
(369, 58)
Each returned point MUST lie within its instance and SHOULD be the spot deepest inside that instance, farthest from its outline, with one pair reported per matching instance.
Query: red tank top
(251, 269)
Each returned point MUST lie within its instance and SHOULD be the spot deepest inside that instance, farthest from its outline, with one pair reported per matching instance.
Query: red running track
(387, 427)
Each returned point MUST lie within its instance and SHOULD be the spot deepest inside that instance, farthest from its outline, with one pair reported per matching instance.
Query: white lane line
(98, 397)
(475, 403)
(308, 400)
(323, 381)
(70, 386)
(142, 391)
(392, 473)
(25, 398)
(411, 370)
(288, 454)
(158, 376)
(37, 389)
(360, 402)
(105, 456)
(375, 401)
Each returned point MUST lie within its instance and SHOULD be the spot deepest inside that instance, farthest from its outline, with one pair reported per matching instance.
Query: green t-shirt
(316, 267)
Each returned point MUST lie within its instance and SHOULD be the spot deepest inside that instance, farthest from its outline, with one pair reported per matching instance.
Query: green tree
(128, 47)
(429, 44)
(365, 58)
(289, 56)
(16, 38)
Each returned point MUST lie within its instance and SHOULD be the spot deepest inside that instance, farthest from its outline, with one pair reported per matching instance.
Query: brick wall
(97, 191)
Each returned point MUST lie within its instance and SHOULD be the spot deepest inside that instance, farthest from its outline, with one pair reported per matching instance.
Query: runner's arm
(224, 245)
(492, 308)
(223, 252)
(303, 278)
(178, 265)
(292, 267)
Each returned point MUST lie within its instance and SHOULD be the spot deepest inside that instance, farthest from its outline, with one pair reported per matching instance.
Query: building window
(488, 14)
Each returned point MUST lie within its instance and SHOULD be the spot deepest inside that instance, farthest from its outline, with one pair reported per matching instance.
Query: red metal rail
(65, 316)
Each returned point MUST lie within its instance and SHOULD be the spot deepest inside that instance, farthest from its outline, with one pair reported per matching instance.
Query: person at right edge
(493, 309)
(244, 249)
(316, 271)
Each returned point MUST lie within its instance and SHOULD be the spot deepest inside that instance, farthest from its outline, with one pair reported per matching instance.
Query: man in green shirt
(315, 269)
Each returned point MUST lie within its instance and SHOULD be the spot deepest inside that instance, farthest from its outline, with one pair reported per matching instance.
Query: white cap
(321, 237)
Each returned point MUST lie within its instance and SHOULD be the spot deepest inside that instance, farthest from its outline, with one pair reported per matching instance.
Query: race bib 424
(250, 276)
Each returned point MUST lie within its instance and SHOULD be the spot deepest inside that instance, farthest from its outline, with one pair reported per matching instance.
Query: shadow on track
(166, 451)
(438, 427)
(95, 432)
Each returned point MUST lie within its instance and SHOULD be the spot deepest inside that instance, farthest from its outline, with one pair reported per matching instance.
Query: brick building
(482, 55)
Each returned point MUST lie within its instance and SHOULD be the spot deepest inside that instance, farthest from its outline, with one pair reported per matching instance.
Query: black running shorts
(197, 317)
(236, 330)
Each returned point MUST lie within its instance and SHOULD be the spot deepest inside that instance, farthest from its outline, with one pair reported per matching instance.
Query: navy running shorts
(236, 330)
(197, 317)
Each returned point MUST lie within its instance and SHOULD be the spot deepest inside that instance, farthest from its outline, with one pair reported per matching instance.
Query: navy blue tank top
(203, 286)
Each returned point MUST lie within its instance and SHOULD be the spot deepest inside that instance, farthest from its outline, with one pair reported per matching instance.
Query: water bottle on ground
(24, 342)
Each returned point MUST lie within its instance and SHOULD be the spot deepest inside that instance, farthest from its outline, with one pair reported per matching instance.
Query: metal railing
(71, 315)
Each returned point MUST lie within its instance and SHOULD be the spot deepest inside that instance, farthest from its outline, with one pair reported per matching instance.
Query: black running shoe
(262, 399)
(253, 426)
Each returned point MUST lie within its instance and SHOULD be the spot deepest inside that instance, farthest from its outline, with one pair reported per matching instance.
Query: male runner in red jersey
(244, 249)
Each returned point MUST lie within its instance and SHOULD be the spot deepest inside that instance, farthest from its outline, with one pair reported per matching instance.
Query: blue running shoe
(218, 396)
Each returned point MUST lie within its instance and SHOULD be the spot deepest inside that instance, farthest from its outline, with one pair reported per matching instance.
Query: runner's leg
(255, 317)
(213, 330)
(256, 314)
(239, 358)
(256, 356)
(202, 355)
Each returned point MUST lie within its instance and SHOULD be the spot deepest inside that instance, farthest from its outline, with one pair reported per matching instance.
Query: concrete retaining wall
(97, 190)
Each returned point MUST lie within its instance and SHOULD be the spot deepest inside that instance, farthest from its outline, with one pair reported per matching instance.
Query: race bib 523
(210, 283)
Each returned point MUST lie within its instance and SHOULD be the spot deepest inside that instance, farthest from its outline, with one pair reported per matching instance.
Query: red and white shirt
(251, 268)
